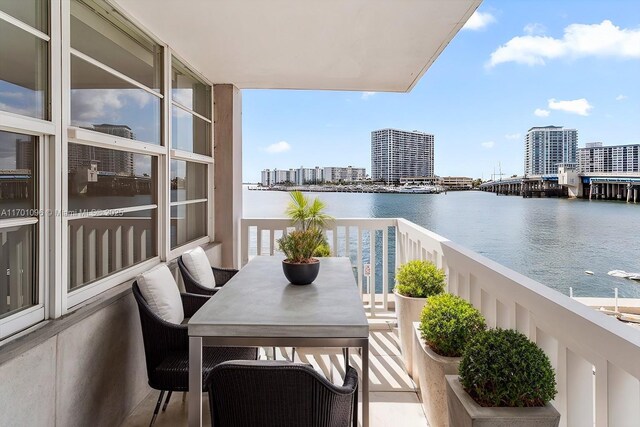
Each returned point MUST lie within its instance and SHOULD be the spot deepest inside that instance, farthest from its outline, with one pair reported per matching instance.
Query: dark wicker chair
(222, 276)
(280, 394)
(166, 349)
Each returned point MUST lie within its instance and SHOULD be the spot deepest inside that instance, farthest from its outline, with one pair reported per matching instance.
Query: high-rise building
(342, 174)
(397, 154)
(546, 147)
(614, 158)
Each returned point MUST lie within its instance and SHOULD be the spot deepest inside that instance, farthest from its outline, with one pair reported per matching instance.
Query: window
(191, 156)
(24, 77)
(116, 75)
(19, 218)
(112, 187)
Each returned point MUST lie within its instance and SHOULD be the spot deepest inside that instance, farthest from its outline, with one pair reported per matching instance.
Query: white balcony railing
(596, 358)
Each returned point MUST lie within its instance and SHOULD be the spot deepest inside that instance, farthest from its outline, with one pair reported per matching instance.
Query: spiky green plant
(300, 246)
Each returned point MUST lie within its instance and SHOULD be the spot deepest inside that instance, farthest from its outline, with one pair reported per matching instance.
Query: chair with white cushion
(163, 310)
(199, 276)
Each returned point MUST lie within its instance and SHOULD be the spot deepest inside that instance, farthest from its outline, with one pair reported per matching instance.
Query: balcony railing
(596, 358)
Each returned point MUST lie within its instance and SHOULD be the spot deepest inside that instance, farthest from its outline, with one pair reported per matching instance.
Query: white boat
(418, 189)
(590, 273)
(623, 274)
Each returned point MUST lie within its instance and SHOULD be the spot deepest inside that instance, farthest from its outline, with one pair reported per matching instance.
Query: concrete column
(635, 194)
(627, 190)
(228, 171)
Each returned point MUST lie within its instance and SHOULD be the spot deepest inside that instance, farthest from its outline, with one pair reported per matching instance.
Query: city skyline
(516, 65)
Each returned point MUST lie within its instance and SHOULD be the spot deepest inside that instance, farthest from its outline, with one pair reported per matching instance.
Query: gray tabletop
(260, 302)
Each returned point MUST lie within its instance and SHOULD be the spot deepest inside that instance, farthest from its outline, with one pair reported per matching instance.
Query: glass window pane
(190, 133)
(100, 178)
(98, 33)
(18, 260)
(104, 103)
(189, 91)
(17, 183)
(23, 78)
(188, 222)
(32, 12)
(188, 181)
(100, 246)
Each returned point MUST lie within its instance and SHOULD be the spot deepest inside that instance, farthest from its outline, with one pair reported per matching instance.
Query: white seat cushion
(198, 265)
(160, 290)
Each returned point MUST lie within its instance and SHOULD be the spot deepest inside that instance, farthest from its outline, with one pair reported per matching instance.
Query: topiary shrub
(501, 367)
(419, 279)
(448, 323)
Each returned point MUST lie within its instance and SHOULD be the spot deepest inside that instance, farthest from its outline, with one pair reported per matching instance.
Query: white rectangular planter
(465, 412)
(408, 310)
(430, 370)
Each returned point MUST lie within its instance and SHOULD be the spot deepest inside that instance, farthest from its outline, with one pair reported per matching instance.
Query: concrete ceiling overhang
(363, 45)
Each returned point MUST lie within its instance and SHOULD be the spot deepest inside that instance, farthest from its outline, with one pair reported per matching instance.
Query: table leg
(365, 384)
(195, 382)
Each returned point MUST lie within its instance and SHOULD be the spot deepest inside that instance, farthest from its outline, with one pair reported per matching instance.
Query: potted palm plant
(446, 325)
(415, 281)
(504, 379)
(307, 241)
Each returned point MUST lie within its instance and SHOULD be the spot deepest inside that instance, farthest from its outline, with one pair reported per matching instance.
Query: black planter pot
(301, 274)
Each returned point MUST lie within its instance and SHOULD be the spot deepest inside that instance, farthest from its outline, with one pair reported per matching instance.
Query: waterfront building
(397, 154)
(457, 182)
(316, 175)
(596, 157)
(342, 174)
(546, 147)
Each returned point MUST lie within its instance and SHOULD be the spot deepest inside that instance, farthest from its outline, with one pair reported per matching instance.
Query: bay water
(553, 241)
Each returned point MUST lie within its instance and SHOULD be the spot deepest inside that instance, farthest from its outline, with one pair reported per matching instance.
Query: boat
(624, 275)
(418, 189)
(589, 272)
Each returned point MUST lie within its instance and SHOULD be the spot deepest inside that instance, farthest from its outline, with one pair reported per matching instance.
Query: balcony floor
(394, 400)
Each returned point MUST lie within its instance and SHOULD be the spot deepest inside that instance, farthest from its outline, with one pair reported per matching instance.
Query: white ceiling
(364, 45)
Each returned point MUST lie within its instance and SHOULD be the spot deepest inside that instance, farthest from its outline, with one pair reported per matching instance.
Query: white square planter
(430, 370)
(408, 310)
(465, 412)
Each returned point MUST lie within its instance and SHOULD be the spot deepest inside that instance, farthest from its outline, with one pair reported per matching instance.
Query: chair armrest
(351, 379)
(223, 275)
(192, 303)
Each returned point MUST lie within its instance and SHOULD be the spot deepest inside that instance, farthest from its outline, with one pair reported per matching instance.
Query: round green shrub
(419, 279)
(502, 367)
(448, 323)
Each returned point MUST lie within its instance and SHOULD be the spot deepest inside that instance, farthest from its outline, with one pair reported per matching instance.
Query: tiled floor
(394, 401)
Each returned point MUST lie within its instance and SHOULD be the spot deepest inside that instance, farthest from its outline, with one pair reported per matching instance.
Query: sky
(515, 65)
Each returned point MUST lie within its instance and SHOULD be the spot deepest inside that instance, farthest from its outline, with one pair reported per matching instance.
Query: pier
(568, 183)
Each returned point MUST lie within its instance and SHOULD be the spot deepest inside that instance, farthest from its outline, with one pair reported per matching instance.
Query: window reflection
(97, 32)
(101, 178)
(189, 91)
(18, 260)
(190, 133)
(32, 12)
(99, 246)
(188, 181)
(104, 103)
(23, 72)
(17, 186)
(188, 222)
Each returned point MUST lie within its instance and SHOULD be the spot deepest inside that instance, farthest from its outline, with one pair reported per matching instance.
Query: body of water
(550, 240)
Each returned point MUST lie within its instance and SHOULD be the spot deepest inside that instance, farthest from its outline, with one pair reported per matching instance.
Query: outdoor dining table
(259, 307)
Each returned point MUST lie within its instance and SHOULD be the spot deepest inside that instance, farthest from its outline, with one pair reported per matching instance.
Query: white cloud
(579, 40)
(621, 97)
(367, 95)
(541, 113)
(488, 144)
(534, 28)
(513, 136)
(278, 147)
(479, 21)
(577, 106)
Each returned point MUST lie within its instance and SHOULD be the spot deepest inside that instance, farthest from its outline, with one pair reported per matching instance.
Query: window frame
(45, 132)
